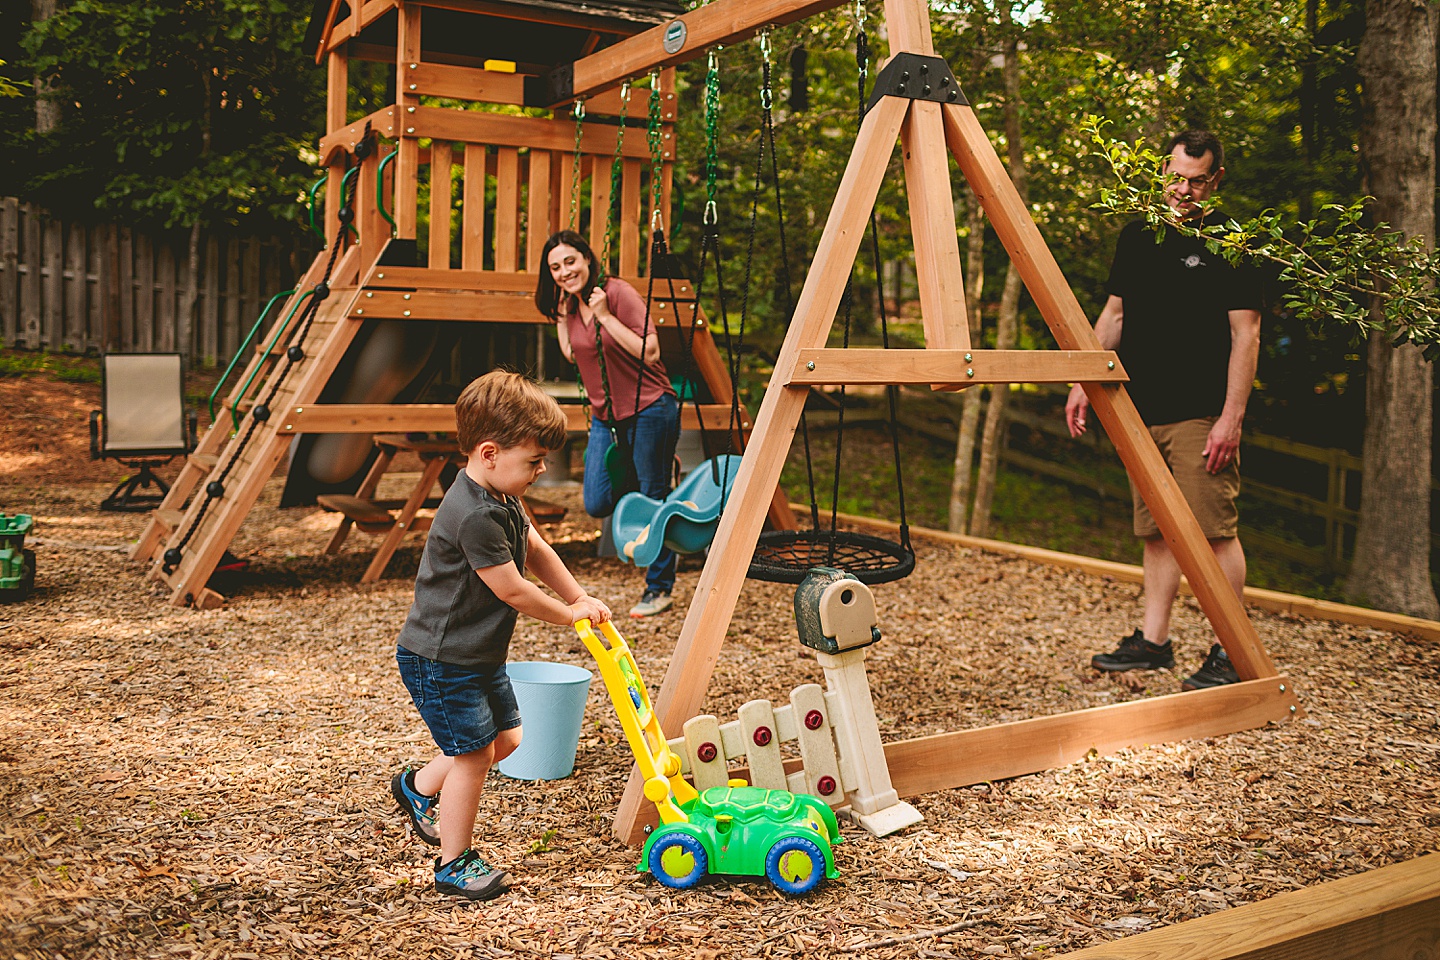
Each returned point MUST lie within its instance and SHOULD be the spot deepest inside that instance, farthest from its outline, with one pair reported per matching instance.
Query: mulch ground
(215, 784)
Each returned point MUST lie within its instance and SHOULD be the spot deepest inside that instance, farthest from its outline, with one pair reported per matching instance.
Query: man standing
(1186, 325)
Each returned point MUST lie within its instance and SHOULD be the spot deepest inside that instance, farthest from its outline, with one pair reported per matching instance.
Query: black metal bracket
(915, 77)
(555, 87)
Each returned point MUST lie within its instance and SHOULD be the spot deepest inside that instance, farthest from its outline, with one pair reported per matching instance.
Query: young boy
(469, 590)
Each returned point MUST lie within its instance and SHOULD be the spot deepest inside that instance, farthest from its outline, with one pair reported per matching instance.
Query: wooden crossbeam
(719, 22)
(816, 366)
(440, 418)
(1005, 750)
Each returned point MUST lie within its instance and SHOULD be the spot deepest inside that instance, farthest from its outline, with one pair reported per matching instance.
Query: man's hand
(1077, 407)
(1221, 445)
(588, 608)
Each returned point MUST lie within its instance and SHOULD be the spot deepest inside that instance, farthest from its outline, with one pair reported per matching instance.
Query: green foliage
(71, 369)
(8, 87)
(1331, 269)
(542, 845)
(172, 114)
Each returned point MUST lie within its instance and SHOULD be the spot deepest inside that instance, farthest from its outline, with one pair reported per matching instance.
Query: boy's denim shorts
(465, 709)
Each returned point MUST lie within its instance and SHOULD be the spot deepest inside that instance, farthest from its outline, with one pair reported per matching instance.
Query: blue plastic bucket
(552, 706)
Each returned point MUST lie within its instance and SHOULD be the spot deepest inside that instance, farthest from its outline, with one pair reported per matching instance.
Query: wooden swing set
(515, 176)
(531, 166)
(918, 102)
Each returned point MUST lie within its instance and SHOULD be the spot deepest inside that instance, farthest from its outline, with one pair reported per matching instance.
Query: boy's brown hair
(508, 408)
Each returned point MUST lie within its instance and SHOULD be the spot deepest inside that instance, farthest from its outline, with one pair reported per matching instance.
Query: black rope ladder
(261, 412)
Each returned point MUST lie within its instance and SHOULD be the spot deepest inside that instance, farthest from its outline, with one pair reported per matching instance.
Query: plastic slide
(685, 521)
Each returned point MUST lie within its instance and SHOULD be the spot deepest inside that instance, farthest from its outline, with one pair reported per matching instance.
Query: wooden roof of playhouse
(540, 32)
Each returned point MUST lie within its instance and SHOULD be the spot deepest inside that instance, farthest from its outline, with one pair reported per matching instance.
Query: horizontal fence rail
(86, 288)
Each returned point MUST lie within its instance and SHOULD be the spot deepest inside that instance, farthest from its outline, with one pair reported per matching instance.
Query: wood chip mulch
(215, 784)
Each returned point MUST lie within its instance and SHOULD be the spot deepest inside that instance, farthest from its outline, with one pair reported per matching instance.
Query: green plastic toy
(736, 829)
(17, 565)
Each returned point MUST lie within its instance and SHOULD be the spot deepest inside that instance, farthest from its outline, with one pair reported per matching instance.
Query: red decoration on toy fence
(762, 736)
(814, 720)
(706, 752)
(826, 786)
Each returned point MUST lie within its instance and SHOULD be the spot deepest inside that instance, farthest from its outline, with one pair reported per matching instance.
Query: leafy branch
(1339, 269)
(8, 87)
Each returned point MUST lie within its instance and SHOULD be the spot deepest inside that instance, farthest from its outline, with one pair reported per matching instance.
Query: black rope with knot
(260, 413)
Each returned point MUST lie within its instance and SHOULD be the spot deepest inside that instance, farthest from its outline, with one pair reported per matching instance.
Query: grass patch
(67, 367)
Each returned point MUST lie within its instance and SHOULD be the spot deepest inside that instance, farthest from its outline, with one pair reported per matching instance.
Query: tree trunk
(1008, 328)
(970, 405)
(1396, 61)
(1309, 97)
(1006, 334)
(47, 108)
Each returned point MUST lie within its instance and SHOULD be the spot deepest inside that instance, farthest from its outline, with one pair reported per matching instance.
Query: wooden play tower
(438, 213)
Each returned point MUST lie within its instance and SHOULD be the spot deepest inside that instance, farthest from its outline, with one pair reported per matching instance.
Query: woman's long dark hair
(548, 297)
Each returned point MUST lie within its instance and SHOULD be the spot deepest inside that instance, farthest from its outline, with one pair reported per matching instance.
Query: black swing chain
(710, 244)
(261, 412)
(892, 391)
(767, 138)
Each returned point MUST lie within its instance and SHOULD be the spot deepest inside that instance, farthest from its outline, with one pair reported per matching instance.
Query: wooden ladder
(200, 526)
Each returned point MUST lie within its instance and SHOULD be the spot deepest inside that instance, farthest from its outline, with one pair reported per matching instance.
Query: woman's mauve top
(621, 369)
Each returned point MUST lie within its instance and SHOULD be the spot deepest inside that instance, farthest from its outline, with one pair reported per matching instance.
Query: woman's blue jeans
(652, 436)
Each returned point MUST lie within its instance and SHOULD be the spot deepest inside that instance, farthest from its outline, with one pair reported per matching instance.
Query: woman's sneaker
(470, 877)
(1216, 671)
(653, 602)
(419, 809)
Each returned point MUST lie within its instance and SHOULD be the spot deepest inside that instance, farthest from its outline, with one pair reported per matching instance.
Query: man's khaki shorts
(1211, 496)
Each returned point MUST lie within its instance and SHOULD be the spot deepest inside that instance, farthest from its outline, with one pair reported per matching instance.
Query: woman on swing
(605, 331)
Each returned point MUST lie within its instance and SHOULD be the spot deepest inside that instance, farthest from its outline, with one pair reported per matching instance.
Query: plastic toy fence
(807, 720)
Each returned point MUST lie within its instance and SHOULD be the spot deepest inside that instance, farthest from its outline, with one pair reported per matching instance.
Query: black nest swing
(787, 556)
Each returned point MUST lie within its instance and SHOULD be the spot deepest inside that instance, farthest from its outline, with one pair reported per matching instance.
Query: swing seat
(685, 521)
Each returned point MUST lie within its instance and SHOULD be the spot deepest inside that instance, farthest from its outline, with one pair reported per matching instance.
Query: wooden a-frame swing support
(914, 103)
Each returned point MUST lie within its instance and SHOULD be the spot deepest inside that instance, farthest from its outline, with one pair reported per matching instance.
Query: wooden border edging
(1271, 600)
(963, 757)
(1391, 913)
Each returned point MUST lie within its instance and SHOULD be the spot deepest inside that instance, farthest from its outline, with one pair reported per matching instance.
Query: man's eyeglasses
(1196, 183)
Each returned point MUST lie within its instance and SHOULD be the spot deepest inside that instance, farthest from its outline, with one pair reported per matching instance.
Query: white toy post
(838, 625)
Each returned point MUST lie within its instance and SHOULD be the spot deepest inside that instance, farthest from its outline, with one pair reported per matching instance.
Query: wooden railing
(487, 189)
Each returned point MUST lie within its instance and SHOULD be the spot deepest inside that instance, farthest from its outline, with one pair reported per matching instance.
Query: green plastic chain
(653, 139)
(611, 226)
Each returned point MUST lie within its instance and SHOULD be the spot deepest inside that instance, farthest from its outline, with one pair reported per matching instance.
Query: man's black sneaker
(1135, 653)
(1216, 671)
(470, 877)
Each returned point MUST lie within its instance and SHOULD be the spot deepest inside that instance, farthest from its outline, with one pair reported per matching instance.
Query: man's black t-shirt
(1175, 335)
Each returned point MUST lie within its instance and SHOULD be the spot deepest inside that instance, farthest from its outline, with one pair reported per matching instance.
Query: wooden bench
(368, 516)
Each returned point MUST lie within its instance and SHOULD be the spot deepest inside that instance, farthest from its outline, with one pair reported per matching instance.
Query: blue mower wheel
(795, 866)
(678, 860)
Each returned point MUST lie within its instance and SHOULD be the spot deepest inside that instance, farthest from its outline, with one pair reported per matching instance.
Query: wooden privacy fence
(83, 288)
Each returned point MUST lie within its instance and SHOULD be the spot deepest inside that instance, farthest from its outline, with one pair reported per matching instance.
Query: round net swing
(787, 556)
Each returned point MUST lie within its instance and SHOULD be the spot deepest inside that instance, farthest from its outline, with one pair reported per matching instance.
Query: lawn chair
(142, 423)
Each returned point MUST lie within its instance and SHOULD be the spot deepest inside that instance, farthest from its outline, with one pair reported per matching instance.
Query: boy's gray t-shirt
(456, 618)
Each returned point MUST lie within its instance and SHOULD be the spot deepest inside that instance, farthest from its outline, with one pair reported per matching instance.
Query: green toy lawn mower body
(746, 831)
